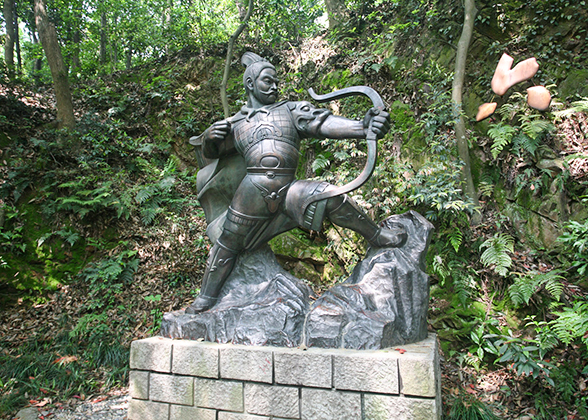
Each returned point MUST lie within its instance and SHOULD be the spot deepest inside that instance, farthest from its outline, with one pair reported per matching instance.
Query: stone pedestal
(191, 380)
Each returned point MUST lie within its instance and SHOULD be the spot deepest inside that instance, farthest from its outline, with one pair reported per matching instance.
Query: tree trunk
(242, 8)
(129, 54)
(37, 62)
(166, 24)
(456, 95)
(65, 116)
(103, 38)
(232, 39)
(10, 36)
(77, 39)
(17, 42)
(337, 12)
(114, 54)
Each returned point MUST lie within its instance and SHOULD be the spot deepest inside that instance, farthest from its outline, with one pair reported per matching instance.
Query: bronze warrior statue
(247, 185)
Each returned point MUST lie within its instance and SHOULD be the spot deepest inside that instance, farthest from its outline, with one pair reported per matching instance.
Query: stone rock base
(384, 302)
(261, 304)
(189, 380)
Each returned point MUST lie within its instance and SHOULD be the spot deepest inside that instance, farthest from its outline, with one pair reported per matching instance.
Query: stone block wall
(192, 380)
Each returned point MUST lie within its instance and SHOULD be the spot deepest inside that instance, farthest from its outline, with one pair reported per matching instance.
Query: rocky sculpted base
(382, 304)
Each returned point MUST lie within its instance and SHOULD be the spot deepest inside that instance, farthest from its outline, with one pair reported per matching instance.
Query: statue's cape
(216, 184)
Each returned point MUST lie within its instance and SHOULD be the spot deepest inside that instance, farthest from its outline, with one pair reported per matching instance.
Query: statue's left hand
(380, 121)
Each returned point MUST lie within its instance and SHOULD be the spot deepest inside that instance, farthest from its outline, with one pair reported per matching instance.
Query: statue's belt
(271, 172)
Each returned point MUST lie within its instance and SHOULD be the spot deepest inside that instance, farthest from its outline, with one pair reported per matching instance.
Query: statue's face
(265, 87)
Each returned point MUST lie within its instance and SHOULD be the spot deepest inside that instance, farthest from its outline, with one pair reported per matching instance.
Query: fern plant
(68, 236)
(572, 323)
(526, 134)
(497, 253)
(528, 284)
(12, 231)
(321, 163)
(575, 237)
(578, 106)
(83, 200)
(107, 277)
(502, 135)
(522, 355)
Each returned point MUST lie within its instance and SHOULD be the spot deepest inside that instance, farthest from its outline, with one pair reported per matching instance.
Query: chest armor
(268, 139)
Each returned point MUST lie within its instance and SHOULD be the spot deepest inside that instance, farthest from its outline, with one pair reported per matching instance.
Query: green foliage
(576, 107)
(501, 134)
(528, 284)
(280, 21)
(575, 238)
(129, 32)
(523, 356)
(106, 279)
(321, 162)
(497, 253)
(83, 201)
(68, 236)
(438, 187)
(520, 126)
(545, 338)
(467, 407)
(11, 231)
(481, 345)
(571, 323)
(63, 366)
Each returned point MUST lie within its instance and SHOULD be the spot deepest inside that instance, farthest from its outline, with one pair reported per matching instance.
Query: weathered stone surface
(574, 84)
(336, 383)
(222, 395)
(417, 368)
(260, 304)
(139, 385)
(319, 404)
(171, 389)
(147, 410)
(29, 413)
(384, 302)
(306, 368)
(224, 415)
(195, 358)
(370, 372)
(151, 354)
(247, 364)
(385, 407)
(280, 401)
(180, 412)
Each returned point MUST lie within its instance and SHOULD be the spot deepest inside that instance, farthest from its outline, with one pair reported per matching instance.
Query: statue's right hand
(218, 131)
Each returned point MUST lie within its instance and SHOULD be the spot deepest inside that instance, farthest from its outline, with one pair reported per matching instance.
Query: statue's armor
(269, 141)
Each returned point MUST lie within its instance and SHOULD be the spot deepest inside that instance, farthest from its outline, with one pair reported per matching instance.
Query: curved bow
(372, 144)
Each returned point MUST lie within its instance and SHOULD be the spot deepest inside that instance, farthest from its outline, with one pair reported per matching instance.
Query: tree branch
(456, 96)
(232, 39)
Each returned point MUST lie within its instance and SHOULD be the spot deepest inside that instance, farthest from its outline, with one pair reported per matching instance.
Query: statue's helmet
(254, 65)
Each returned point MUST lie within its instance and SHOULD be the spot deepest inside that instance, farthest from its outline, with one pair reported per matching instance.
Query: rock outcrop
(260, 304)
(383, 303)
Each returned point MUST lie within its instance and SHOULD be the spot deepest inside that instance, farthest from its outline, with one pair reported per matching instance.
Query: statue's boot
(348, 214)
(218, 267)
